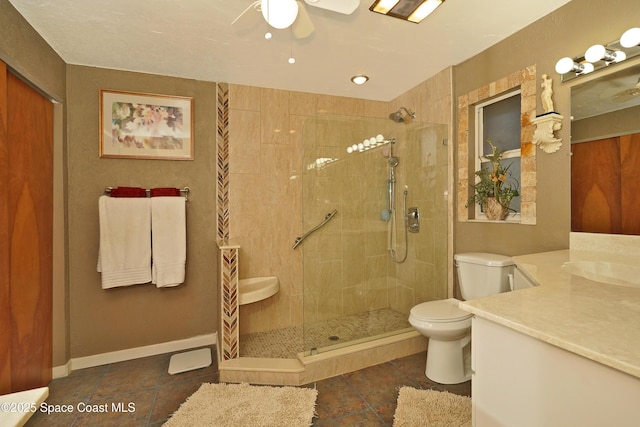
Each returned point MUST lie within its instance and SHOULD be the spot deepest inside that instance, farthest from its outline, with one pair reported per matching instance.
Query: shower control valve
(413, 220)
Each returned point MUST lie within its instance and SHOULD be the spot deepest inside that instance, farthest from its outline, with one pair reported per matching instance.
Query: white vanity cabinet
(521, 381)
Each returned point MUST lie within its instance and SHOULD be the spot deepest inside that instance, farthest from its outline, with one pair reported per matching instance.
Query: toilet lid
(440, 311)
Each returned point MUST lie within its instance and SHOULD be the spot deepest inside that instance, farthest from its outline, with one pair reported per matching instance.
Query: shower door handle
(413, 220)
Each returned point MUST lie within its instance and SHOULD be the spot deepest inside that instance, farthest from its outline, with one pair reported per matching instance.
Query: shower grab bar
(326, 219)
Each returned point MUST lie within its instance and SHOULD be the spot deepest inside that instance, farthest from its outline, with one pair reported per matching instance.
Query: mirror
(605, 138)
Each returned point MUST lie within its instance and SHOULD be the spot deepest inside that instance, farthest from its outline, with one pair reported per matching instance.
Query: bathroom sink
(605, 272)
(257, 288)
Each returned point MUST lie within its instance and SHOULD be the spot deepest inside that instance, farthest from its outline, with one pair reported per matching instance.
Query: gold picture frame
(145, 126)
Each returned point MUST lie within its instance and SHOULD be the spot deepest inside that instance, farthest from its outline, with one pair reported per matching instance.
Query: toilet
(448, 328)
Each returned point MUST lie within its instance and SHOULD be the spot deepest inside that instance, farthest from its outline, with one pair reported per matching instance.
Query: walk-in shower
(363, 271)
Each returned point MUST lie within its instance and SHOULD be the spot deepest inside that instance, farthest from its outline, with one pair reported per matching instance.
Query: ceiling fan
(285, 13)
(627, 94)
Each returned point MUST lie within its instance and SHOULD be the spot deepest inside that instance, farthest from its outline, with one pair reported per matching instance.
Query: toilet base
(449, 362)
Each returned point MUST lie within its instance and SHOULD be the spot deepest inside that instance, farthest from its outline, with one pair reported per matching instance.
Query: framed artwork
(144, 126)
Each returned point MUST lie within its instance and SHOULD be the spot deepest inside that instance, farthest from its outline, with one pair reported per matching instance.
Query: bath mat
(430, 408)
(246, 405)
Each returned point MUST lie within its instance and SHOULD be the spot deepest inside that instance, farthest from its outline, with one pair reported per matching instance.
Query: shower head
(399, 117)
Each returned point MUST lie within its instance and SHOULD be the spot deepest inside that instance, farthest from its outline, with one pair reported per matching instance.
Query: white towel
(124, 256)
(168, 240)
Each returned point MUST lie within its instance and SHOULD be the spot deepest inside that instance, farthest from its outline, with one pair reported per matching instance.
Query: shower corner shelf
(257, 288)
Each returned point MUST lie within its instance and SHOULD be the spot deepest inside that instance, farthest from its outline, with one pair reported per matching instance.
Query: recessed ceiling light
(359, 79)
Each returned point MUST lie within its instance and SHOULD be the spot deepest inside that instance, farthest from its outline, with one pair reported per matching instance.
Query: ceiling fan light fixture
(408, 10)
(360, 79)
(279, 14)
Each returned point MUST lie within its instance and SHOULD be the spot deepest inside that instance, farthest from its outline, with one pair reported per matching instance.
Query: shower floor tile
(286, 343)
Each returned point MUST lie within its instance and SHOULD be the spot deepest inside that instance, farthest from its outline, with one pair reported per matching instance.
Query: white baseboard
(134, 353)
(61, 371)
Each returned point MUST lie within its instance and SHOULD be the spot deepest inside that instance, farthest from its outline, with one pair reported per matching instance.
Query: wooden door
(26, 235)
(630, 183)
(595, 187)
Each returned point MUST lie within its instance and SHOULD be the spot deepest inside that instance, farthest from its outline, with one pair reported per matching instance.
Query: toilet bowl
(449, 331)
(449, 328)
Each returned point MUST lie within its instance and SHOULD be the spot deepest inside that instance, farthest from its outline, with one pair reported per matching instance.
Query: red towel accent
(164, 192)
(128, 192)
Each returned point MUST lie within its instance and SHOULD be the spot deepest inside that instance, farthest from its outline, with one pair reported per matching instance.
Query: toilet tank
(482, 274)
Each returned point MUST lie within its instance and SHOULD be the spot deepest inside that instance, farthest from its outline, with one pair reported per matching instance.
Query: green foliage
(497, 183)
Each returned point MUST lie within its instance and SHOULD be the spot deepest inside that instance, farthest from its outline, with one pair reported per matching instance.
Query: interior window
(498, 120)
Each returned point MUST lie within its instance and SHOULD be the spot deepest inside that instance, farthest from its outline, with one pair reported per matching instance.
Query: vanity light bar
(600, 56)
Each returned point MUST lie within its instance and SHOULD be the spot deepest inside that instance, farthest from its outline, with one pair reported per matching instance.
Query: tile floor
(363, 398)
(286, 343)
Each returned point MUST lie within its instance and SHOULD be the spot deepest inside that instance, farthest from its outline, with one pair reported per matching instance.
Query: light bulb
(359, 79)
(279, 13)
(598, 52)
(587, 68)
(620, 56)
(630, 38)
(379, 138)
(267, 36)
(360, 146)
(372, 141)
(564, 65)
(349, 150)
(595, 53)
(366, 142)
(292, 60)
(354, 147)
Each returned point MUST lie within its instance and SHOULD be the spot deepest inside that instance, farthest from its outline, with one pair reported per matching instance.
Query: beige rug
(430, 408)
(246, 405)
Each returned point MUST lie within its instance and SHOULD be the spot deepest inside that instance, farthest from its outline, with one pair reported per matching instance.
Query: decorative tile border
(229, 327)
(222, 142)
(526, 79)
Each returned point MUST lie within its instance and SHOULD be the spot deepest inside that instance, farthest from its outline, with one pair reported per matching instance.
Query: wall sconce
(600, 56)
(408, 10)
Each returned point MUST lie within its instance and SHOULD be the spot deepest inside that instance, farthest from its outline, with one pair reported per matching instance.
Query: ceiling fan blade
(346, 7)
(302, 26)
(251, 6)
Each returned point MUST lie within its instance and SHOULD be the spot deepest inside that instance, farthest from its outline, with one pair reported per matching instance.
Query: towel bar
(185, 191)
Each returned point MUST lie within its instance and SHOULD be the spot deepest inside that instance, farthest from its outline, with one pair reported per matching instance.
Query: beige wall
(28, 55)
(120, 318)
(566, 32)
(615, 123)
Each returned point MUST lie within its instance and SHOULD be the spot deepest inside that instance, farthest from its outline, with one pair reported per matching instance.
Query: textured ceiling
(195, 39)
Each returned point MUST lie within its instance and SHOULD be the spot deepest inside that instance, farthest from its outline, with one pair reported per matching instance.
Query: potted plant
(496, 187)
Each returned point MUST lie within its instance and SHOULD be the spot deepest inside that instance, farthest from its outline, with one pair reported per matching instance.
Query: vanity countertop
(595, 320)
